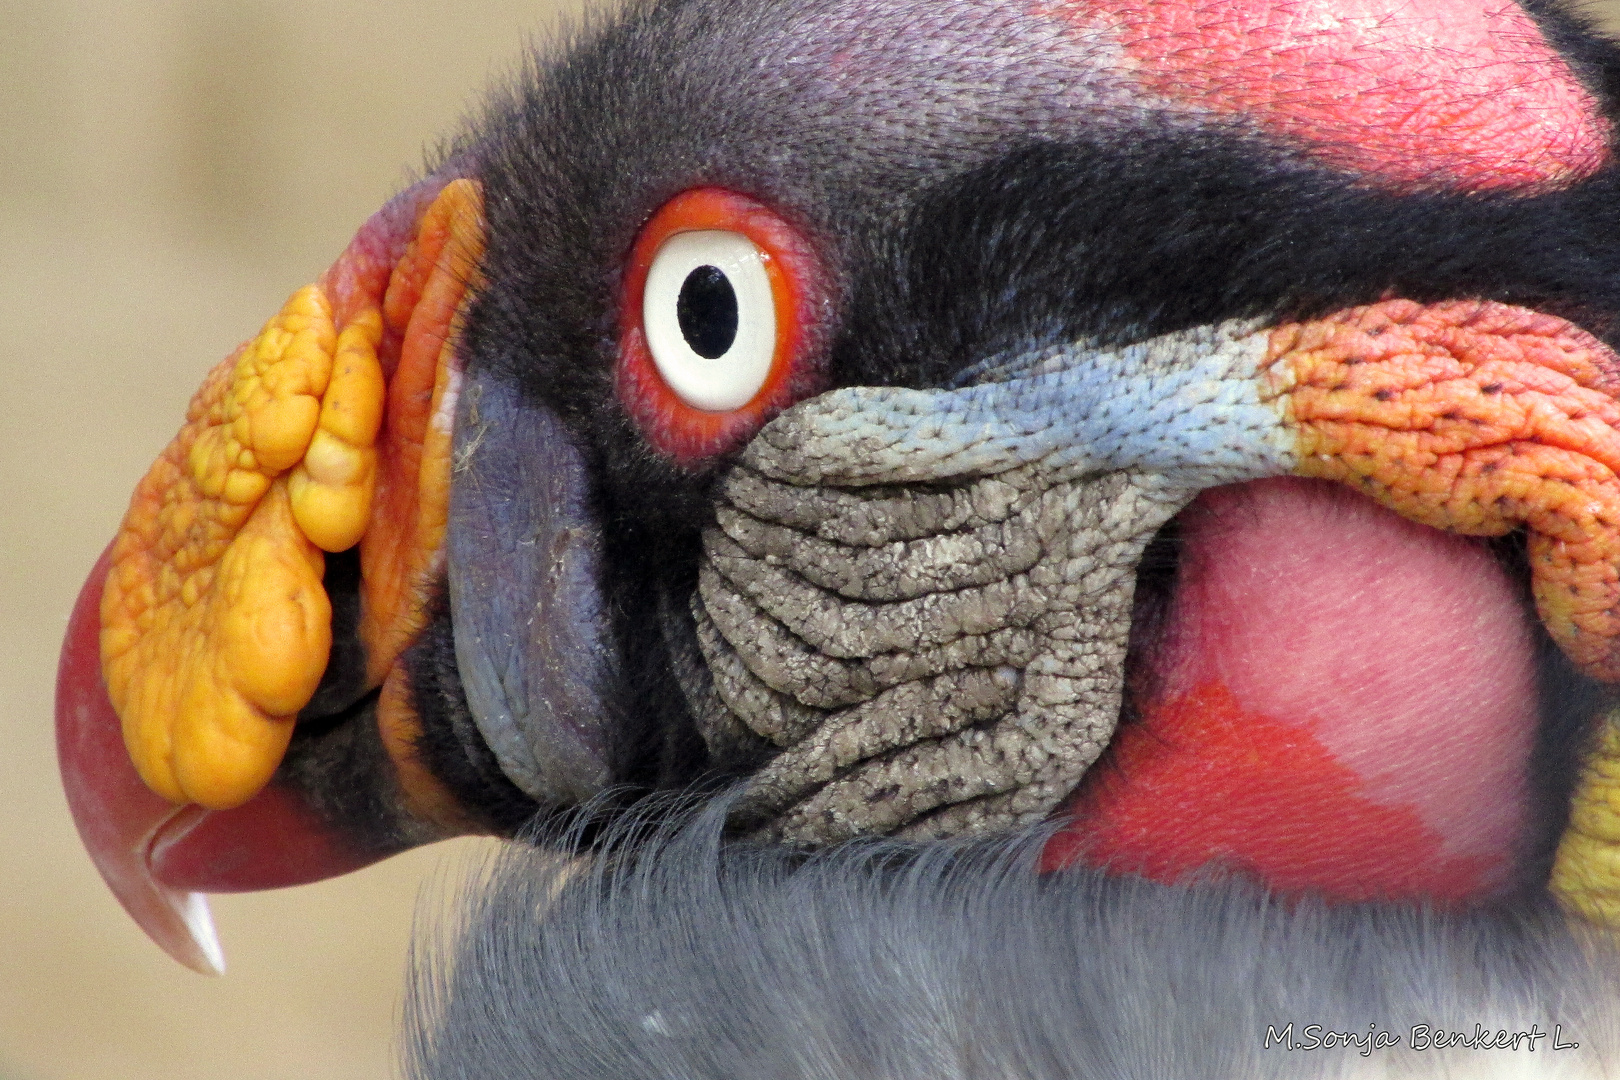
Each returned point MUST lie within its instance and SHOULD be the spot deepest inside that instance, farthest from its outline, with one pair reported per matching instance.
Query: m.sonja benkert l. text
(1419, 1037)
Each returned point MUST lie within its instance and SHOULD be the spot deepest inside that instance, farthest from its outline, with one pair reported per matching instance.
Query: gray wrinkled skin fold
(957, 708)
(671, 955)
(920, 600)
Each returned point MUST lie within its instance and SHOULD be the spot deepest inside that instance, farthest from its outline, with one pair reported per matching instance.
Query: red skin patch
(1343, 701)
(1439, 93)
(1207, 785)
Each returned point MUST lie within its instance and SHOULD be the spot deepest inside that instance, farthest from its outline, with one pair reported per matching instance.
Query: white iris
(731, 378)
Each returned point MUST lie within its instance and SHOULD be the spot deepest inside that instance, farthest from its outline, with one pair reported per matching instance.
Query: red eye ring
(691, 435)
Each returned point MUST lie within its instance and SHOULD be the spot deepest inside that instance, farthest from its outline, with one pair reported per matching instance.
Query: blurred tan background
(169, 171)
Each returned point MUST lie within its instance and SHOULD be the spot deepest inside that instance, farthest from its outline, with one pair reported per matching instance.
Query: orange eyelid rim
(691, 435)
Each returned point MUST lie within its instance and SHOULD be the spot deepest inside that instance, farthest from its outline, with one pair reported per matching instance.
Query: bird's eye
(710, 319)
(720, 323)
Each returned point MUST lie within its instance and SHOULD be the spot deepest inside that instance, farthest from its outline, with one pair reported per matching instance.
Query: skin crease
(1410, 708)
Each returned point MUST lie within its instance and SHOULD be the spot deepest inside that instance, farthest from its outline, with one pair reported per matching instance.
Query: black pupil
(707, 310)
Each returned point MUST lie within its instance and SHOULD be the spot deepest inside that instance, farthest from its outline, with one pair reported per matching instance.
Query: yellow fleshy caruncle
(215, 625)
(328, 431)
(332, 486)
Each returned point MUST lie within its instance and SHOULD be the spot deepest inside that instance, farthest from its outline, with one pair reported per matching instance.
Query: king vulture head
(1095, 504)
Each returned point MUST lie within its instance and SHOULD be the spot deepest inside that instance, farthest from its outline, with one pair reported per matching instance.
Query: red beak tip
(117, 817)
(160, 859)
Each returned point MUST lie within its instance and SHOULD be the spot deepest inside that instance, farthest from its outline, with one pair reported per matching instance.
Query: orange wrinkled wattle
(1477, 418)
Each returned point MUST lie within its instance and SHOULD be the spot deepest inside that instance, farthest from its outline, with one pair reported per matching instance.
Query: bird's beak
(153, 853)
(206, 628)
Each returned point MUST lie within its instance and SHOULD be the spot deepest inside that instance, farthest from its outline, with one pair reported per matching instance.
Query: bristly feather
(672, 955)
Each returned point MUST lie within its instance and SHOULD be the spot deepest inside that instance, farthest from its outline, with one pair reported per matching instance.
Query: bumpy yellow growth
(332, 486)
(1586, 871)
(1479, 418)
(215, 625)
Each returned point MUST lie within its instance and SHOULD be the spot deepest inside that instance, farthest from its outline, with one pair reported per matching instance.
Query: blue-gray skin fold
(524, 562)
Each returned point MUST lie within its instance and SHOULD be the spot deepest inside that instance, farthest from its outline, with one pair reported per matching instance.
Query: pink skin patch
(1343, 702)
(1439, 93)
